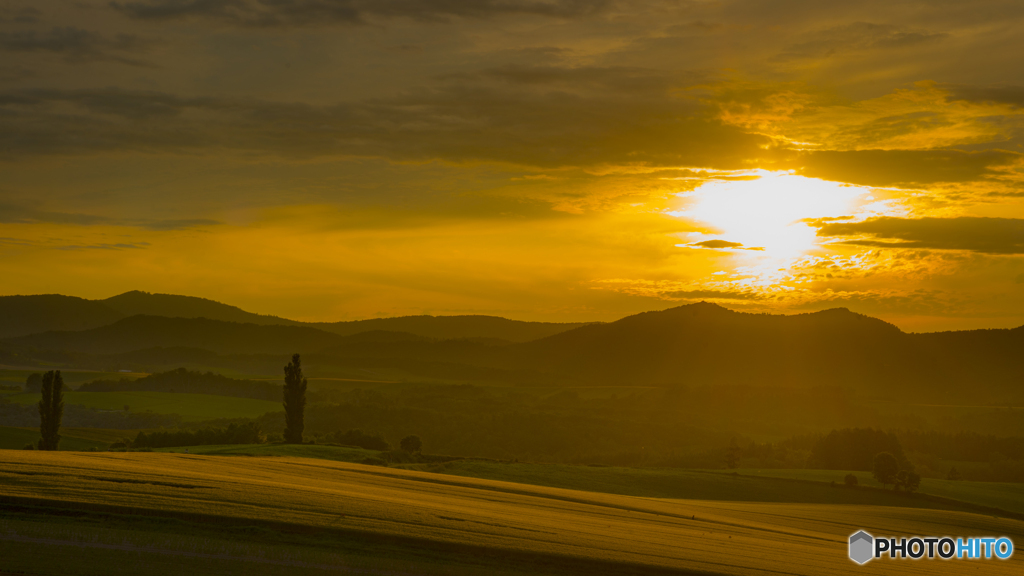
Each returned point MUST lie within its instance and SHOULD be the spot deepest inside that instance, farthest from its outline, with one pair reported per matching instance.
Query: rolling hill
(142, 332)
(24, 315)
(21, 315)
(693, 345)
(167, 513)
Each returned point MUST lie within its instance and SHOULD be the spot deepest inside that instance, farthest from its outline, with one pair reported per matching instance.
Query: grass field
(149, 513)
(191, 407)
(746, 485)
(1004, 495)
(71, 438)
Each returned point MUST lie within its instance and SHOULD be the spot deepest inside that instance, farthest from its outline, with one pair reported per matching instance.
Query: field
(17, 438)
(745, 485)
(1005, 495)
(191, 407)
(152, 513)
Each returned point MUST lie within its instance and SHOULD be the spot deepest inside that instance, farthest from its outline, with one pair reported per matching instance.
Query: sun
(767, 212)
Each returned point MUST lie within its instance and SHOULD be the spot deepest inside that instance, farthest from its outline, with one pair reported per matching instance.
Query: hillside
(21, 315)
(142, 332)
(452, 327)
(208, 514)
(706, 343)
(136, 303)
(24, 315)
(694, 345)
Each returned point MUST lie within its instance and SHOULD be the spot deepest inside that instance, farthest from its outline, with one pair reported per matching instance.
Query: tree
(411, 444)
(51, 410)
(850, 480)
(294, 401)
(732, 455)
(954, 474)
(34, 382)
(886, 468)
(908, 480)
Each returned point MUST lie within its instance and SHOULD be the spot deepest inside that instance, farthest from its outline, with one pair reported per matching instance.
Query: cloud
(20, 15)
(288, 13)
(984, 235)
(890, 167)
(105, 246)
(11, 214)
(719, 244)
(77, 45)
(857, 36)
(713, 294)
(480, 118)
(1006, 94)
(57, 244)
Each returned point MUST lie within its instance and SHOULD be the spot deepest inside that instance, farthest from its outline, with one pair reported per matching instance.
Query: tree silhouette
(954, 474)
(411, 444)
(886, 468)
(34, 382)
(732, 455)
(294, 401)
(51, 410)
(908, 480)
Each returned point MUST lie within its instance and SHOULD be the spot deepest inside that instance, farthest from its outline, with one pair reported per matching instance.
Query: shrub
(356, 437)
(248, 433)
(29, 447)
(850, 480)
(411, 443)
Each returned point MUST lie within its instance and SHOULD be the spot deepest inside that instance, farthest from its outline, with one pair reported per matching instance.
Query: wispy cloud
(261, 14)
(78, 45)
(11, 214)
(985, 235)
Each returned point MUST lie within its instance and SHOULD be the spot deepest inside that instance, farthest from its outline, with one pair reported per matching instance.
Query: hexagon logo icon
(861, 547)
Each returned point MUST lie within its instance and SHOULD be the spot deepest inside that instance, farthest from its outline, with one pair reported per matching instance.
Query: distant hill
(21, 315)
(684, 347)
(24, 315)
(449, 327)
(705, 343)
(173, 306)
(142, 332)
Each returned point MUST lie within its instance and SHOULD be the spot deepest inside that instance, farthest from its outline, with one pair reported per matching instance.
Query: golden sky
(557, 160)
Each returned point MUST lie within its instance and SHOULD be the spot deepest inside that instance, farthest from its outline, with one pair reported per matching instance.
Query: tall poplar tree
(294, 401)
(51, 410)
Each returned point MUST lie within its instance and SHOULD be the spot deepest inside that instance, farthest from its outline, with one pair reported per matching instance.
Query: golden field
(343, 503)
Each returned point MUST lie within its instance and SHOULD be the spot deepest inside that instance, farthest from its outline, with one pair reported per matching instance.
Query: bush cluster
(248, 433)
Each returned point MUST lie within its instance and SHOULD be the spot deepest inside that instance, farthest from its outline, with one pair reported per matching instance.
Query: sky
(555, 160)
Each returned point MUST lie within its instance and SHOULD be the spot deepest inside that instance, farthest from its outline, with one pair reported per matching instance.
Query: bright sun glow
(766, 214)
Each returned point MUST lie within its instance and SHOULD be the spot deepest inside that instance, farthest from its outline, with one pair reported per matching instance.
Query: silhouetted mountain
(683, 347)
(448, 327)
(23, 315)
(20, 315)
(705, 343)
(136, 302)
(142, 332)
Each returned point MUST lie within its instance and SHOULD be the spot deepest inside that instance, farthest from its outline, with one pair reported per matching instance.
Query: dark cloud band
(985, 235)
(286, 13)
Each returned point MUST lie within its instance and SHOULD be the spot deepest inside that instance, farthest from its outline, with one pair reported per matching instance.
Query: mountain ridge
(33, 314)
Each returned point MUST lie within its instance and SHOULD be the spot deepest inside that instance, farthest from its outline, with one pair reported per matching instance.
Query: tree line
(247, 433)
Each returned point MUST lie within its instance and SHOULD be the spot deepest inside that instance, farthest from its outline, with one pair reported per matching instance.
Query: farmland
(811, 486)
(16, 438)
(191, 407)
(321, 514)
